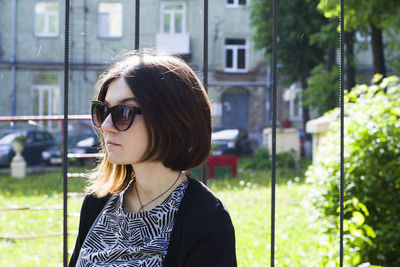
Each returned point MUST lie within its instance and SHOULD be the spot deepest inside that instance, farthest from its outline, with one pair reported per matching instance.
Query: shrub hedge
(262, 160)
(372, 178)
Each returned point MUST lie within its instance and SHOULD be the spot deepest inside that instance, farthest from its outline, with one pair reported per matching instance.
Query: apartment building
(32, 53)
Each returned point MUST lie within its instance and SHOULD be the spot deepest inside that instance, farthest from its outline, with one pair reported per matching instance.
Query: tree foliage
(393, 52)
(361, 13)
(372, 178)
(322, 91)
(297, 21)
(367, 16)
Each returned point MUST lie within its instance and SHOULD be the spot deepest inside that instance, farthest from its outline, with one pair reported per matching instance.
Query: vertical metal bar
(205, 71)
(274, 92)
(65, 134)
(13, 59)
(341, 128)
(137, 21)
(205, 46)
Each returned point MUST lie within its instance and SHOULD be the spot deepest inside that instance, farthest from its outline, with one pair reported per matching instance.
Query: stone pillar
(18, 164)
(318, 127)
(287, 139)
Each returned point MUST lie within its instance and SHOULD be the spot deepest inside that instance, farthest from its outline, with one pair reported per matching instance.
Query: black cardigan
(203, 234)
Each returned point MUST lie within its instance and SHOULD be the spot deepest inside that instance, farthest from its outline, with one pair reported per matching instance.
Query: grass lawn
(247, 198)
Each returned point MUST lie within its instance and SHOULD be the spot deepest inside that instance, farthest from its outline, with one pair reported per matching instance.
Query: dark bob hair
(175, 108)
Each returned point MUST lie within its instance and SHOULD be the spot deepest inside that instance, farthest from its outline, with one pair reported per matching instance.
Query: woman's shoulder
(202, 194)
(201, 202)
(92, 205)
(90, 200)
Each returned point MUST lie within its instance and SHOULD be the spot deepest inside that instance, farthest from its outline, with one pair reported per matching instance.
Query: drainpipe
(71, 56)
(85, 44)
(215, 38)
(13, 58)
(268, 96)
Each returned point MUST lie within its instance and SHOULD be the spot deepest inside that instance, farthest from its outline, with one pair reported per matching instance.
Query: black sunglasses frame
(112, 110)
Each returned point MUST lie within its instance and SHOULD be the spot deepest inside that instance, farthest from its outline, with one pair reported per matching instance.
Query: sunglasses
(122, 116)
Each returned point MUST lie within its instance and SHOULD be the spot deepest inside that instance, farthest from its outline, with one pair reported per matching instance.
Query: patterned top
(119, 238)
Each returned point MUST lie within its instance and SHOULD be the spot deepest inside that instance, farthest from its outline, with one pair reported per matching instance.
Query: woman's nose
(107, 125)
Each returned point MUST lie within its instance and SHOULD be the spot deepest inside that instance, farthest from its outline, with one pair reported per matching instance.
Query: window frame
(235, 48)
(53, 94)
(163, 11)
(108, 37)
(236, 4)
(46, 33)
(296, 106)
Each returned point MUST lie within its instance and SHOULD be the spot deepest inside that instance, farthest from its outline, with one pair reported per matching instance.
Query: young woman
(154, 118)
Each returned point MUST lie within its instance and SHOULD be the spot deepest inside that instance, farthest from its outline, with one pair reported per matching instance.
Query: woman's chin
(114, 159)
(117, 160)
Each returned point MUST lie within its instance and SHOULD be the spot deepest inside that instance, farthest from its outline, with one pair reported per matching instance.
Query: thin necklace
(140, 202)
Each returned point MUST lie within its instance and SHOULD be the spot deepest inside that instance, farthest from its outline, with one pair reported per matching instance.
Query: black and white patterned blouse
(118, 238)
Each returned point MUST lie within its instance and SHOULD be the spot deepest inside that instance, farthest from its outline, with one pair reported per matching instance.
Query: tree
(374, 15)
(322, 91)
(297, 21)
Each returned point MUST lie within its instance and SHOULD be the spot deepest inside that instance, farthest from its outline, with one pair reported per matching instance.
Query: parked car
(37, 140)
(232, 142)
(78, 143)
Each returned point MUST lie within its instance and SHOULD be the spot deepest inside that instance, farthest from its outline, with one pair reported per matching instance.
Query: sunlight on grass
(247, 198)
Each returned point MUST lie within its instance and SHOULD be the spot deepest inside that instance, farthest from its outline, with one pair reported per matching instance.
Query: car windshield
(225, 134)
(8, 138)
(86, 142)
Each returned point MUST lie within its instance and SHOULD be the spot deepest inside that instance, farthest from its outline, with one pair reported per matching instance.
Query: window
(38, 136)
(46, 19)
(173, 17)
(110, 20)
(236, 3)
(46, 97)
(296, 107)
(236, 55)
(293, 96)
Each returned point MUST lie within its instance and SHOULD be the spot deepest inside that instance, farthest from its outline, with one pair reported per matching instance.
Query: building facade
(32, 53)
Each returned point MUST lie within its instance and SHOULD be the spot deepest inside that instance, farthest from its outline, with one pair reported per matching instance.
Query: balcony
(178, 43)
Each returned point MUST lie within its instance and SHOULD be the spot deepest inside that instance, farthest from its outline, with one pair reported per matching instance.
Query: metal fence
(65, 118)
(36, 207)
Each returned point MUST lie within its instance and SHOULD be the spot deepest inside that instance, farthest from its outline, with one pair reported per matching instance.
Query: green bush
(259, 160)
(262, 160)
(285, 160)
(372, 178)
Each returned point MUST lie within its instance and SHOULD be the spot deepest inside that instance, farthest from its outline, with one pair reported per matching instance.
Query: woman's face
(125, 147)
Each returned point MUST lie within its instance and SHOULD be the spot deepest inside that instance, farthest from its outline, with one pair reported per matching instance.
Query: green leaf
(358, 218)
(356, 258)
(363, 208)
(369, 231)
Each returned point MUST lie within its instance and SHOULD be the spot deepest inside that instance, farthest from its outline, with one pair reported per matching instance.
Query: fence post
(137, 23)
(65, 135)
(274, 98)
(341, 190)
(204, 173)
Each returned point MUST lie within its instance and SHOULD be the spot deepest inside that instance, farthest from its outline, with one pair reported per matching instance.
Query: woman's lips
(112, 144)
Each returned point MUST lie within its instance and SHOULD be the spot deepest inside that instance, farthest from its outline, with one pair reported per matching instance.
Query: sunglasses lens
(99, 113)
(123, 117)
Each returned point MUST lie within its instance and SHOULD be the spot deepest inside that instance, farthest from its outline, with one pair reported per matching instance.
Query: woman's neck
(151, 180)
